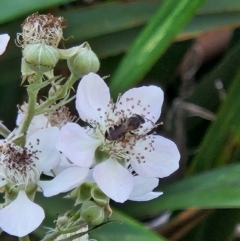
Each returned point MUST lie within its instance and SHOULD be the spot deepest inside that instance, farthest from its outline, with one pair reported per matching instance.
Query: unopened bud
(40, 57)
(53, 90)
(61, 220)
(92, 213)
(83, 62)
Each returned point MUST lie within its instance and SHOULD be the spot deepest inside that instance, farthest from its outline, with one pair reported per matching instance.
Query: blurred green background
(191, 49)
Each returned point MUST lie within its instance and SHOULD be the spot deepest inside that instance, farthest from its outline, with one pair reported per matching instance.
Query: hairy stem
(60, 95)
(32, 100)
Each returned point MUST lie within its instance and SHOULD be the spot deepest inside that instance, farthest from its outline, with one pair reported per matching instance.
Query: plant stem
(25, 238)
(4, 130)
(65, 88)
(32, 99)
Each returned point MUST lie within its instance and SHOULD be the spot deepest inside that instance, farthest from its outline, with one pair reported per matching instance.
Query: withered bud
(38, 28)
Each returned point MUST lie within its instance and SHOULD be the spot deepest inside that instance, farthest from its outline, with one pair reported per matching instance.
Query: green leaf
(219, 6)
(127, 230)
(115, 31)
(219, 188)
(221, 144)
(209, 21)
(153, 41)
(11, 9)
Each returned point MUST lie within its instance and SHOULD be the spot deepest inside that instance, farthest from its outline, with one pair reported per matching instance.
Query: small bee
(118, 131)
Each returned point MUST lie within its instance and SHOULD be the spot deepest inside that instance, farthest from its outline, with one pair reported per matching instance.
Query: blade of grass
(169, 19)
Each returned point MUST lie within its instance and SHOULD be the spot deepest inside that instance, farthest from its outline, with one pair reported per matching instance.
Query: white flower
(4, 38)
(20, 170)
(68, 179)
(116, 162)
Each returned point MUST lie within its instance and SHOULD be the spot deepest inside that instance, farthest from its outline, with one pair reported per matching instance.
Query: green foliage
(142, 31)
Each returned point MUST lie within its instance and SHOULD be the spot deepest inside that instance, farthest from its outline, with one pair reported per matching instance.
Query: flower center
(121, 130)
(18, 165)
(60, 117)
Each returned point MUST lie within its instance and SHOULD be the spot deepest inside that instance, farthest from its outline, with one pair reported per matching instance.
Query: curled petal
(154, 156)
(146, 197)
(21, 216)
(92, 99)
(4, 38)
(64, 181)
(145, 101)
(114, 180)
(142, 189)
(76, 145)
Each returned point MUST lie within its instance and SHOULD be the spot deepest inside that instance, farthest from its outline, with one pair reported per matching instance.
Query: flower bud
(92, 213)
(83, 62)
(40, 57)
(99, 197)
(62, 220)
(53, 90)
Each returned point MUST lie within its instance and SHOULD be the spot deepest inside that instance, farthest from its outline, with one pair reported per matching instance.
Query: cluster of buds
(39, 40)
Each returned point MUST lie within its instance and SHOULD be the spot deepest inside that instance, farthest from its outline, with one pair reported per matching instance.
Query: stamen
(19, 165)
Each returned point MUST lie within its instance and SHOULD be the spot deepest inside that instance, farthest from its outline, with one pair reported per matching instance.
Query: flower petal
(143, 185)
(154, 156)
(142, 189)
(44, 140)
(21, 216)
(4, 38)
(92, 99)
(63, 165)
(76, 145)
(3, 180)
(64, 181)
(38, 122)
(146, 197)
(145, 101)
(113, 179)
